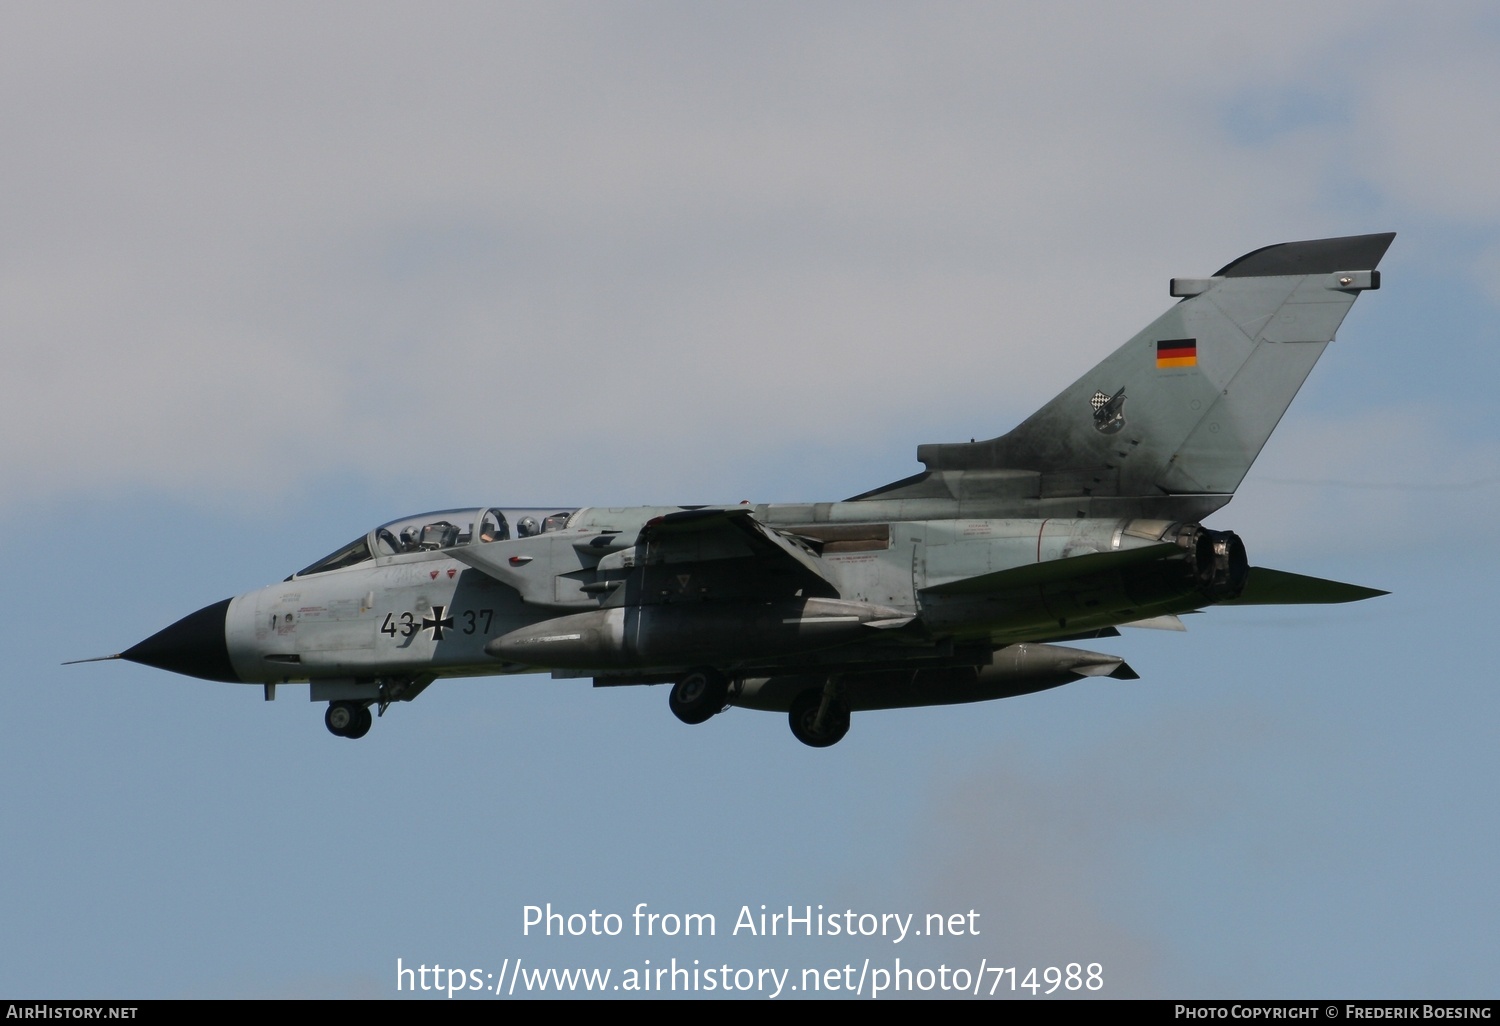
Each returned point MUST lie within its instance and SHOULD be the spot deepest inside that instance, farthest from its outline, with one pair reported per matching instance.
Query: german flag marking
(1177, 352)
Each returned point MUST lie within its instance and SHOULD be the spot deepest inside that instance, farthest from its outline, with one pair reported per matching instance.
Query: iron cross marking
(437, 622)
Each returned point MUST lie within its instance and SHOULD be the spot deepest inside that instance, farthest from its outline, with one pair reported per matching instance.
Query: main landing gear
(820, 717)
(700, 695)
(348, 719)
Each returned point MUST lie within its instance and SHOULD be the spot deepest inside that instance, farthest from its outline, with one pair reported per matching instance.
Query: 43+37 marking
(474, 621)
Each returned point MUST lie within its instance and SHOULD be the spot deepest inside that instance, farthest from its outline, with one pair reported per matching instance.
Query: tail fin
(1185, 406)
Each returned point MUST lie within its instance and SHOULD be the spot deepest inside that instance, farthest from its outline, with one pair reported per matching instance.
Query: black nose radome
(194, 645)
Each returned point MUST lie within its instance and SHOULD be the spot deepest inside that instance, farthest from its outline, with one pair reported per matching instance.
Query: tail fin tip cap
(1314, 256)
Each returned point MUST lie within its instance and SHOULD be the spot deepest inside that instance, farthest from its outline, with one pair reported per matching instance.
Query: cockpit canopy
(442, 529)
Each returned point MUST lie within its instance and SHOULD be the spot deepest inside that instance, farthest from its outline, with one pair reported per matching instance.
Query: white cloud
(1423, 122)
(246, 248)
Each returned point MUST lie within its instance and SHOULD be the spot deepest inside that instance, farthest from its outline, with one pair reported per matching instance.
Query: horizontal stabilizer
(1279, 588)
(1055, 570)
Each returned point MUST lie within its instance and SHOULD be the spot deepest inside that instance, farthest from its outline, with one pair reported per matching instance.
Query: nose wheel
(348, 719)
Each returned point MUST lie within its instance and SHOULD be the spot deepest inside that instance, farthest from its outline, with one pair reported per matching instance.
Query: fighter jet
(958, 584)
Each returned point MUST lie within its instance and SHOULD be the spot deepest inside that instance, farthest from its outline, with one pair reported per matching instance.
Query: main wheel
(699, 695)
(340, 717)
(804, 715)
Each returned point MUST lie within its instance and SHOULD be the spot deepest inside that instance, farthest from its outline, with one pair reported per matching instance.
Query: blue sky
(270, 275)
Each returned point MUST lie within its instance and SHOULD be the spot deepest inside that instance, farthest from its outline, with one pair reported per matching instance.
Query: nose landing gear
(348, 719)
